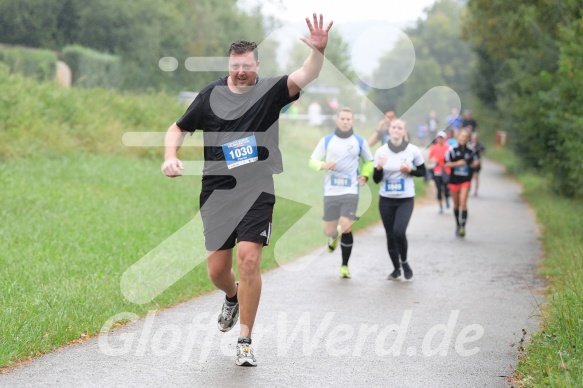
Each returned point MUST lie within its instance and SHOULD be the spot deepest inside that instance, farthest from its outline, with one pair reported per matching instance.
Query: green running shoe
(344, 272)
(333, 242)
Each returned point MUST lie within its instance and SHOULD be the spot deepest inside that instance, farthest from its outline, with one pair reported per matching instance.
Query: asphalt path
(458, 324)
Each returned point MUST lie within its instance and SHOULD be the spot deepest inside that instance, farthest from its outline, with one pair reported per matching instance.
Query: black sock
(456, 214)
(233, 299)
(346, 245)
(244, 340)
(464, 217)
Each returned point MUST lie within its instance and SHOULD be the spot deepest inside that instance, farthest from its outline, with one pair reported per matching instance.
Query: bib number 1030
(240, 152)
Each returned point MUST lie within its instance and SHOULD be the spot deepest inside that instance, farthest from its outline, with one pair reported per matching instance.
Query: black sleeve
(420, 171)
(191, 119)
(377, 175)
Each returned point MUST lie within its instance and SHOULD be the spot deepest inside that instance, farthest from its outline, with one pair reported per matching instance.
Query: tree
(33, 23)
(139, 32)
(424, 77)
(438, 49)
(530, 47)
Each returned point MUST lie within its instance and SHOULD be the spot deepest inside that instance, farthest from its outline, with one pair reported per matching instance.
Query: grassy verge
(78, 208)
(554, 355)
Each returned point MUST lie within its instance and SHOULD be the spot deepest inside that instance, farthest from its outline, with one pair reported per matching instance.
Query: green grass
(554, 355)
(78, 209)
(71, 225)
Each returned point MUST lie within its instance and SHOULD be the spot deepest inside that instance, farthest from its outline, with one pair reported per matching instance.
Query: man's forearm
(309, 71)
(172, 142)
(313, 65)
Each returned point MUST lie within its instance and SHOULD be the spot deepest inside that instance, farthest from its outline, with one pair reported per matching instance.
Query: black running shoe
(395, 275)
(407, 271)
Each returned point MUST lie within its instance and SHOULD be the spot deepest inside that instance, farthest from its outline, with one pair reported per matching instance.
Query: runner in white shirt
(338, 154)
(395, 164)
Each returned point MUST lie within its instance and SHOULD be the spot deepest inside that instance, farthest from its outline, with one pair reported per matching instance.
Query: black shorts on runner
(336, 206)
(222, 232)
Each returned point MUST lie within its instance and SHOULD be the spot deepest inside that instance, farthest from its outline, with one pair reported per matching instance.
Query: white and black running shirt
(464, 173)
(346, 152)
(396, 184)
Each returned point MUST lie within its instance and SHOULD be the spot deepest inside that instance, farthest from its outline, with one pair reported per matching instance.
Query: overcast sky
(370, 27)
(346, 11)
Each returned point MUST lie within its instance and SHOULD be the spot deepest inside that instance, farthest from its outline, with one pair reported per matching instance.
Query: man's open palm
(318, 35)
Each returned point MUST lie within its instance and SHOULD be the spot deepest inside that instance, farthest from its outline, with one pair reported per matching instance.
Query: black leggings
(442, 189)
(396, 213)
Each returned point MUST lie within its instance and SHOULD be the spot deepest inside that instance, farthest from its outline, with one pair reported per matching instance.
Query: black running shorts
(229, 223)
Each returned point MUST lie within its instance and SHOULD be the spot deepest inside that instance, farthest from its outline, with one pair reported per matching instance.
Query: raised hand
(318, 35)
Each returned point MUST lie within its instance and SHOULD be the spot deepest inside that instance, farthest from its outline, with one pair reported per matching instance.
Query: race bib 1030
(240, 152)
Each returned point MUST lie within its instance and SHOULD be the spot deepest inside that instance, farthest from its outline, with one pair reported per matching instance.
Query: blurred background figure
(468, 121)
(440, 174)
(480, 149)
(315, 117)
(454, 121)
(453, 135)
(381, 133)
(432, 124)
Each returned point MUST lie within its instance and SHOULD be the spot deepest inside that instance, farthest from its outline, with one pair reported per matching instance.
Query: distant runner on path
(462, 159)
(440, 174)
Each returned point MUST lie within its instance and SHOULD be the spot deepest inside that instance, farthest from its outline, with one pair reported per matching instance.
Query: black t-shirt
(470, 122)
(225, 116)
(461, 174)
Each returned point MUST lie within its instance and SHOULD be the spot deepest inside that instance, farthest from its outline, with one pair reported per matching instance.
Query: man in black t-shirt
(239, 117)
(468, 121)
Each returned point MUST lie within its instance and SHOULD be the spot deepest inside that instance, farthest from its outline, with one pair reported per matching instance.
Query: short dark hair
(345, 109)
(244, 46)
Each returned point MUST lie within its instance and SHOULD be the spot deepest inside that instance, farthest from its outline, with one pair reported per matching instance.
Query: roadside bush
(93, 69)
(40, 64)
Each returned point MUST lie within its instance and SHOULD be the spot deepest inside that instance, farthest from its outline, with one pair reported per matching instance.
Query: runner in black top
(468, 121)
(239, 116)
(461, 159)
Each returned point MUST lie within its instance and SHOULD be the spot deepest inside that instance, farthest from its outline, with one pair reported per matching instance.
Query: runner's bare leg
(248, 262)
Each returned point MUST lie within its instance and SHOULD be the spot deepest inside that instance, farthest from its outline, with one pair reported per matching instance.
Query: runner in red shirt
(440, 174)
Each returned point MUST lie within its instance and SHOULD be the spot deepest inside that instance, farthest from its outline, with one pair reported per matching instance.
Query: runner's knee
(248, 263)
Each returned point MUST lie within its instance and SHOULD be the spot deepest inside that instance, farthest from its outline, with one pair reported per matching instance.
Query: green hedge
(91, 68)
(40, 64)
